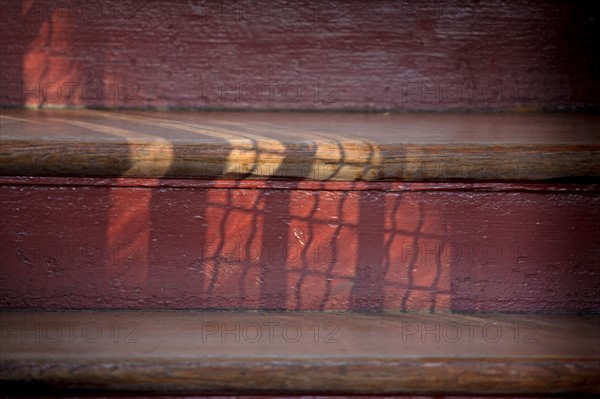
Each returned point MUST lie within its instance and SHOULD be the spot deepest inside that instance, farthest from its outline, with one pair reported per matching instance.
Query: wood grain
(74, 243)
(300, 146)
(307, 54)
(195, 352)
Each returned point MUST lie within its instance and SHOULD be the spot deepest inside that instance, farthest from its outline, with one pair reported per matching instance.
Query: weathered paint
(509, 54)
(298, 245)
(192, 352)
(319, 146)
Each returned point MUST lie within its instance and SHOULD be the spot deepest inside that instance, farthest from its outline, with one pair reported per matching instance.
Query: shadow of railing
(289, 242)
(301, 247)
(239, 238)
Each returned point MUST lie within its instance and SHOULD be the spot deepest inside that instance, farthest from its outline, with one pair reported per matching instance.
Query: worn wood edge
(391, 162)
(268, 184)
(286, 146)
(294, 372)
(299, 376)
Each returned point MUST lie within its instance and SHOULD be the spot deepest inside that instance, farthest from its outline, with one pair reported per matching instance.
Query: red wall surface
(508, 54)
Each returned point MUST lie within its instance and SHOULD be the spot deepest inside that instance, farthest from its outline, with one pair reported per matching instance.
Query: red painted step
(130, 243)
(67, 245)
(263, 54)
(112, 211)
(298, 353)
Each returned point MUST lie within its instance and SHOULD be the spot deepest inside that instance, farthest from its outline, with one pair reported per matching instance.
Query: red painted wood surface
(382, 54)
(321, 146)
(298, 245)
(192, 352)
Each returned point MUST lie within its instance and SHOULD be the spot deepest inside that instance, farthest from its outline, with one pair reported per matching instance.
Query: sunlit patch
(128, 233)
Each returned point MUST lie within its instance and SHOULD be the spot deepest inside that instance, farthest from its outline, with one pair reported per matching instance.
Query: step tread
(200, 352)
(299, 145)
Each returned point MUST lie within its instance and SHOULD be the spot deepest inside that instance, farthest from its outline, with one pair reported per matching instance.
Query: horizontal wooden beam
(219, 352)
(272, 54)
(300, 146)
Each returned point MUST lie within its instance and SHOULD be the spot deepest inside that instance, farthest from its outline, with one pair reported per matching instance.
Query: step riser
(306, 55)
(102, 247)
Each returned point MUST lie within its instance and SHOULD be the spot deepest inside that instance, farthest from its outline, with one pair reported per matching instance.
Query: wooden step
(275, 54)
(300, 146)
(219, 239)
(298, 353)
(196, 244)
